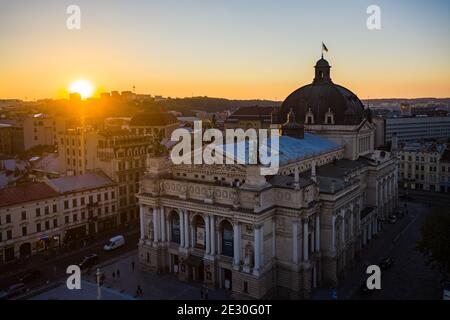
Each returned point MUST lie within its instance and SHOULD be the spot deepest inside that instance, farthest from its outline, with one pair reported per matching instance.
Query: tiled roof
(26, 193)
(289, 149)
(86, 181)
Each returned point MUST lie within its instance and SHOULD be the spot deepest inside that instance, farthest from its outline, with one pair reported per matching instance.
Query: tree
(435, 242)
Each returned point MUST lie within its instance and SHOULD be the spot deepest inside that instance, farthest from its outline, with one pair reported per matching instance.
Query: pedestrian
(118, 273)
(201, 292)
(132, 265)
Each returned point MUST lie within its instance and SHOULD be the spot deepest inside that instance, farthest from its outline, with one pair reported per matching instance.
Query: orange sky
(267, 51)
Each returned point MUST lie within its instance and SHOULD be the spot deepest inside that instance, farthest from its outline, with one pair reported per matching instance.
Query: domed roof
(320, 98)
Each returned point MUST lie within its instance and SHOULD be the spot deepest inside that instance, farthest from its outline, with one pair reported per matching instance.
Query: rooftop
(289, 149)
(86, 181)
(26, 192)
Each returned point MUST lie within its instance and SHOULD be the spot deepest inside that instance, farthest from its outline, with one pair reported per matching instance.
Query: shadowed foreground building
(230, 227)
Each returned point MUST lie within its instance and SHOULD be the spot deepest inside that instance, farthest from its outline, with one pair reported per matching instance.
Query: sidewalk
(154, 287)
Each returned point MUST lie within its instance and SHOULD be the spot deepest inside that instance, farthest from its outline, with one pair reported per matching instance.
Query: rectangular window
(106, 195)
(99, 197)
(38, 227)
(47, 225)
(24, 231)
(74, 203)
(9, 235)
(66, 204)
(55, 208)
(82, 201)
(75, 217)
(47, 211)
(38, 212)
(66, 219)
(24, 215)
(8, 218)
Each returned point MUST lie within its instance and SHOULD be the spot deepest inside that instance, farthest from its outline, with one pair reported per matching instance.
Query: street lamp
(99, 289)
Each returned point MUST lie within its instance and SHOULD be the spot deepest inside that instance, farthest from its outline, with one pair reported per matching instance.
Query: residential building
(40, 216)
(424, 166)
(120, 154)
(158, 124)
(40, 129)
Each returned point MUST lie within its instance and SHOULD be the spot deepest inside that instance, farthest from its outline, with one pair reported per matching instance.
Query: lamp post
(99, 289)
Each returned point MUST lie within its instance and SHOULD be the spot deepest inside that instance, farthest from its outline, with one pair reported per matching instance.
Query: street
(53, 269)
(409, 277)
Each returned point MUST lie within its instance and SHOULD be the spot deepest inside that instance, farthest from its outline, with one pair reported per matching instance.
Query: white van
(114, 243)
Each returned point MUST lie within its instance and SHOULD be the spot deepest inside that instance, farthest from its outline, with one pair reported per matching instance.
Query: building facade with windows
(424, 166)
(282, 235)
(40, 216)
(418, 128)
(119, 153)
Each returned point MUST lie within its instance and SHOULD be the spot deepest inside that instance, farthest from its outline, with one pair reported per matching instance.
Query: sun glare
(83, 87)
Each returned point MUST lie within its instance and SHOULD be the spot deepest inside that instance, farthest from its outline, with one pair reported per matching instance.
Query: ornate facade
(259, 236)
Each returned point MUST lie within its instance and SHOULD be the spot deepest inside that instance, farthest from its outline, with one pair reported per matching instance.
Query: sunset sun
(83, 87)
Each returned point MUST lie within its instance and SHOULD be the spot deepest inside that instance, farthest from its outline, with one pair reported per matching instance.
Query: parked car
(386, 263)
(30, 276)
(88, 261)
(392, 219)
(114, 243)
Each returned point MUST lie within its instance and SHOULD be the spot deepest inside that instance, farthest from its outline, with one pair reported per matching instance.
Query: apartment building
(424, 166)
(39, 129)
(120, 154)
(40, 216)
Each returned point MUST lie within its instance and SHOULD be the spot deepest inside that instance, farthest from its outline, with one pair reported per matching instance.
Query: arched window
(329, 117)
(309, 118)
(174, 227)
(199, 232)
(227, 239)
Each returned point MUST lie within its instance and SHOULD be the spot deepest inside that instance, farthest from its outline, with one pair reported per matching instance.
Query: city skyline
(231, 50)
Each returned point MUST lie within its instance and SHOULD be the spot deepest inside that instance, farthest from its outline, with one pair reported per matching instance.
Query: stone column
(142, 221)
(236, 244)
(257, 244)
(181, 229)
(305, 241)
(186, 229)
(155, 225)
(295, 242)
(208, 235)
(213, 235)
(317, 233)
(163, 224)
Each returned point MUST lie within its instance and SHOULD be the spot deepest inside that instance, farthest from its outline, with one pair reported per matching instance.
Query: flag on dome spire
(324, 48)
